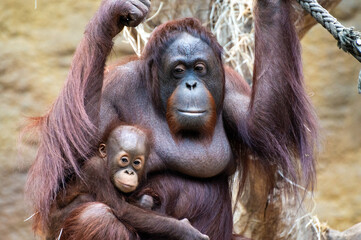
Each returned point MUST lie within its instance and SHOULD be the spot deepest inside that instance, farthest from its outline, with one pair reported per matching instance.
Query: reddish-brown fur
(68, 135)
(205, 203)
(291, 131)
(87, 221)
(93, 208)
(274, 122)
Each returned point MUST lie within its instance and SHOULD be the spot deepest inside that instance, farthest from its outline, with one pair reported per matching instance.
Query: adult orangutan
(205, 120)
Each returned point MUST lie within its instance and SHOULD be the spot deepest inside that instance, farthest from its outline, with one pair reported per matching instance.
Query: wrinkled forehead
(187, 46)
(129, 140)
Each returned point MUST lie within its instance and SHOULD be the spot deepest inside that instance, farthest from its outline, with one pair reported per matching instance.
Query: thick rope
(348, 39)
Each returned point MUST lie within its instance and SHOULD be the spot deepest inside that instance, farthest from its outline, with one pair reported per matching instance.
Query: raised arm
(69, 131)
(279, 125)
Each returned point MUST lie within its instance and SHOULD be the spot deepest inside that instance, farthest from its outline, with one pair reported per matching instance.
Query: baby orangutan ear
(102, 150)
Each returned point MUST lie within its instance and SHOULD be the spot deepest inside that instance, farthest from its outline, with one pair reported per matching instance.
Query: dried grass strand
(142, 33)
(231, 21)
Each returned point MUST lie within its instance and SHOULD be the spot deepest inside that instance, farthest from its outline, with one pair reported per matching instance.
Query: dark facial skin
(126, 151)
(191, 88)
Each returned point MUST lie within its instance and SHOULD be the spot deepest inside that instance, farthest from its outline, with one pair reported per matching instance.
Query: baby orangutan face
(126, 150)
(128, 172)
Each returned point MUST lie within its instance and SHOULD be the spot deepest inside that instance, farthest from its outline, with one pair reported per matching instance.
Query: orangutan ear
(102, 150)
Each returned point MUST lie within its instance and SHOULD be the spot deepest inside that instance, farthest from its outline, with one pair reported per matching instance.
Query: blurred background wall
(331, 78)
(36, 48)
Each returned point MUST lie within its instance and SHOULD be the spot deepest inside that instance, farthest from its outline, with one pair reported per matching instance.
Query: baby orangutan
(128, 149)
(99, 198)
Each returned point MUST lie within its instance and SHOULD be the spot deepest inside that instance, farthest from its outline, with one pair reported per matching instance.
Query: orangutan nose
(191, 85)
(130, 172)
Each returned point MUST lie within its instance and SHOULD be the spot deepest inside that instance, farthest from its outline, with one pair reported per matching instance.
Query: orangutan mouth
(192, 112)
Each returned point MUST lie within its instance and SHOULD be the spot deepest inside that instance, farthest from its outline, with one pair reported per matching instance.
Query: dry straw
(140, 37)
(231, 21)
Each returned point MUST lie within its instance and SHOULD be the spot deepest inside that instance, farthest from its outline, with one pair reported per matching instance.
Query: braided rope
(348, 39)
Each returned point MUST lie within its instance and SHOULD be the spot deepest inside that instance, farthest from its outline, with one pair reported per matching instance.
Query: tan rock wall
(331, 77)
(36, 47)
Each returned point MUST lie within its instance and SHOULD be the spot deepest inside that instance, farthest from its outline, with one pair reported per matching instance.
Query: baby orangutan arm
(111, 209)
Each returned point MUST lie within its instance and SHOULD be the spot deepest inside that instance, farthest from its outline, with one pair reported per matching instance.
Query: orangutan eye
(200, 67)
(124, 160)
(137, 164)
(179, 69)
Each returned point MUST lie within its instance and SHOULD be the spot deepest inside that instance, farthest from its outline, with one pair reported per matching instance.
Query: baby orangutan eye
(137, 164)
(123, 161)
